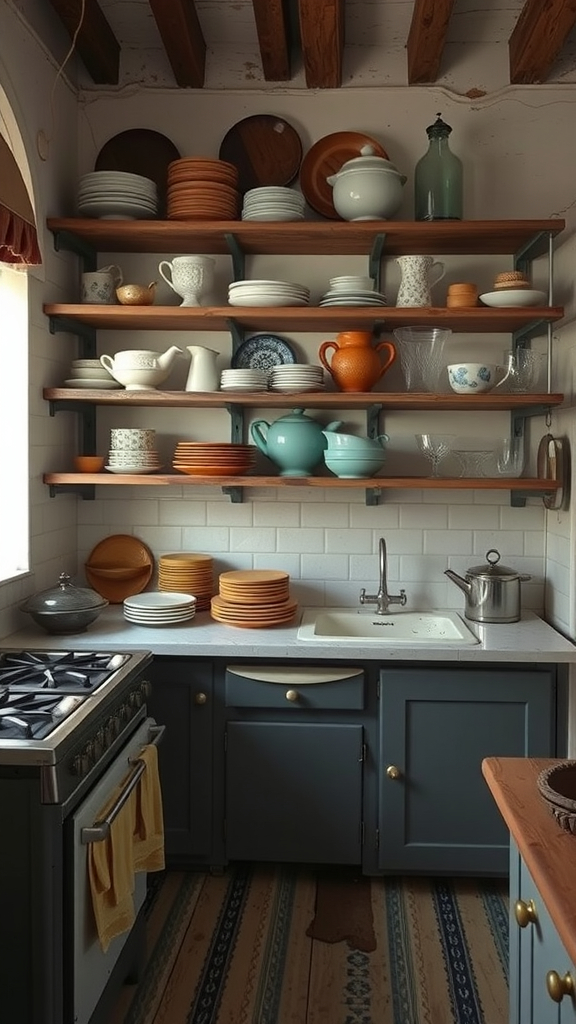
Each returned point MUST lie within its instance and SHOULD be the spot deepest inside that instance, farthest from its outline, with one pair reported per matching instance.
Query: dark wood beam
(322, 40)
(96, 43)
(273, 39)
(183, 40)
(426, 39)
(538, 37)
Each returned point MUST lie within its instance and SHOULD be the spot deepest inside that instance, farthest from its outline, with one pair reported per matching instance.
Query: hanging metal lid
(491, 569)
(439, 129)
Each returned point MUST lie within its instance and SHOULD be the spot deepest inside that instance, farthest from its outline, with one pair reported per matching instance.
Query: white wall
(518, 148)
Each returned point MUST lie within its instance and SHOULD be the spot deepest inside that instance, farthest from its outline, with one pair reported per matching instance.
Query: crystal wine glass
(435, 447)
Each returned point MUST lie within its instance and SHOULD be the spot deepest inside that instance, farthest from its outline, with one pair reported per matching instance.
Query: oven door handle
(101, 830)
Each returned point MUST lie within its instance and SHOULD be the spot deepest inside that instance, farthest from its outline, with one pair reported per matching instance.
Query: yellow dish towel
(111, 873)
(149, 823)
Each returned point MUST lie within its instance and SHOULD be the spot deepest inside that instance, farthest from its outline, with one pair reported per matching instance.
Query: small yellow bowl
(136, 294)
(89, 463)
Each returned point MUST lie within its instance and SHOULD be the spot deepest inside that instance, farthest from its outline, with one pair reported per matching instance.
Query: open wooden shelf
(406, 401)
(480, 319)
(325, 238)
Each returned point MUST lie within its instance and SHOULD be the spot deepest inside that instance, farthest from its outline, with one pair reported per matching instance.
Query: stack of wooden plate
(188, 573)
(253, 598)
(201, 189)
(199, 458)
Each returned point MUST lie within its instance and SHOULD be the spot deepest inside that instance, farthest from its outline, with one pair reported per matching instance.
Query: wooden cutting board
(265, 149)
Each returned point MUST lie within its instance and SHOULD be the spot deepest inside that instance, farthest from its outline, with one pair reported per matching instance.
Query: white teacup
(191, 277)
(99, 286)
(474, 378)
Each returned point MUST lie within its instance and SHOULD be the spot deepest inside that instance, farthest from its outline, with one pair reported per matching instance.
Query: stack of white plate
(157, 608)
(297, 377)
(138, 461)
(267, 293)
(117, 195)
(273, 203)
(244, 380)
(352, 296)
(89, 373)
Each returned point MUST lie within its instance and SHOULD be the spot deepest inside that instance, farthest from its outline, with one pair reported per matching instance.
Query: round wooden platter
(326, 157)
(266, 149)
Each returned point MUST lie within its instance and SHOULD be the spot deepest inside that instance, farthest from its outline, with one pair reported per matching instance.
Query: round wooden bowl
(557, 787)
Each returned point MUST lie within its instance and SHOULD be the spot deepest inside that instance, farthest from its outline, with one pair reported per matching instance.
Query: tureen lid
(368, 161)
(64, 597)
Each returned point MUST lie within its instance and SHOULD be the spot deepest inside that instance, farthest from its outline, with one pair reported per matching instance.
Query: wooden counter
(548, 851)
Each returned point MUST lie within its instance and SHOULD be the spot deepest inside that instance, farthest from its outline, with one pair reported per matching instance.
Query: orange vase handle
(385, 346)
(326, 346)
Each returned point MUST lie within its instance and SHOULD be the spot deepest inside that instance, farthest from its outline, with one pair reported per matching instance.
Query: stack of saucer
(158, 609)
(297, 377)
(253, 598)
(187, 572)
(352, 290)
(132, 451)
(267, 293)
(202, 189)
(273, 203)
(89, 373)
(117, 195)
(244, 380)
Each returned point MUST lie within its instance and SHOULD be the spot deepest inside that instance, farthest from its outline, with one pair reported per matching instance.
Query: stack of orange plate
(253, 598)
(199, 458)
(186, 572)
(202, 189)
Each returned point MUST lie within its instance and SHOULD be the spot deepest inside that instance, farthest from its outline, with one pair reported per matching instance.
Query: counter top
(548, 851)
(530, 640)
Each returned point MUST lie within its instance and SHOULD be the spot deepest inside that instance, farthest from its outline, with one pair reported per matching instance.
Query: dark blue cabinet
(435, 813)
(183, 700)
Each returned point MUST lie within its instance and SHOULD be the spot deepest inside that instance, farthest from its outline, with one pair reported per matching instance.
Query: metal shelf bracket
(238, 257)
(85, 491)
(375, 259)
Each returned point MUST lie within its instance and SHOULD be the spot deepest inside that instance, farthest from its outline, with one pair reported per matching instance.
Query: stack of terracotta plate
(202, 189)
(187, 572)
(253, 598)
(206, 458)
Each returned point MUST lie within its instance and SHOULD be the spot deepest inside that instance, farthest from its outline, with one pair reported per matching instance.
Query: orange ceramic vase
(356, 364)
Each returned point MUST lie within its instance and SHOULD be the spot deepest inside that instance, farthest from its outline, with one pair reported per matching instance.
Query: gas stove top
(45, 695)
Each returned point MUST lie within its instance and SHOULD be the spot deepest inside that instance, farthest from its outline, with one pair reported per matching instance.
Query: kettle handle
(388, 347)
(259, 430)
(326, 346)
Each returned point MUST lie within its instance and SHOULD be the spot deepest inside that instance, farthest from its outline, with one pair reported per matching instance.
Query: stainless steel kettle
(492, 591)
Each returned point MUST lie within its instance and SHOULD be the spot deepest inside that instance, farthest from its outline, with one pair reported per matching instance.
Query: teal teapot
(295, 442)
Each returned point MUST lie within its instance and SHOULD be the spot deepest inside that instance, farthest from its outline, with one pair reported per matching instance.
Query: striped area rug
(286, 945)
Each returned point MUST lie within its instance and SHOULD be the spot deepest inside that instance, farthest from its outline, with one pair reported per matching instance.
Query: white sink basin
(342, 625)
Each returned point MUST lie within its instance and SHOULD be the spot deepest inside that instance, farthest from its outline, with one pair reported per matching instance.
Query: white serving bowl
(90, 373)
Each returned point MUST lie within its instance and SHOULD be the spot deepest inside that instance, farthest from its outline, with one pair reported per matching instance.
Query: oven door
(93, 967)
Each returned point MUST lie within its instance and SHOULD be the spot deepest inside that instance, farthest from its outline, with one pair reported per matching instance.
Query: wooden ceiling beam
(96, 43)
(322, 41)
(183, 39)
(537, 39)
(427, 38)
(273, 39)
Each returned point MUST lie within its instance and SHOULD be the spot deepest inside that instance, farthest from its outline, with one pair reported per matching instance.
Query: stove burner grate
(58, 671)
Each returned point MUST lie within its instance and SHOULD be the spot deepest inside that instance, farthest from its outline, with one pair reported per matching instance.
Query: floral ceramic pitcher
(419, 274)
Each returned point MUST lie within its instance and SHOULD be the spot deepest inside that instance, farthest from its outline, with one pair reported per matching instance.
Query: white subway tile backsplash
(449, 542)
(306, 539)
(208, 539)
(252, 540)
(231, 514)
(283, 562)
(424, 517)
(137, 513)
(348, 541)
(531, 517)
(485, 518)
(380, 517)
(319, 515)
(182, 513)
(324, 567)
(507, 542)
(276, 513)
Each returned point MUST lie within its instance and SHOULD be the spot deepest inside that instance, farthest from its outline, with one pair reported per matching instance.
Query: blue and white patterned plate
(262, 352)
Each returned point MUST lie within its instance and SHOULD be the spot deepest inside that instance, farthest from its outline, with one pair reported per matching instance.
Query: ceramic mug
(99, 286)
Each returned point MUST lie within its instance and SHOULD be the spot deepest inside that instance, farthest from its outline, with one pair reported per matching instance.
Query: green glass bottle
(438, 178)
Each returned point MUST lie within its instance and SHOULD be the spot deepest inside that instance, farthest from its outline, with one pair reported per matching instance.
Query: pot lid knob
(496, 556)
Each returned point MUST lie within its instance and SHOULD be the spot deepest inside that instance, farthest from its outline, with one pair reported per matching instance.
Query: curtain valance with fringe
(18, 238)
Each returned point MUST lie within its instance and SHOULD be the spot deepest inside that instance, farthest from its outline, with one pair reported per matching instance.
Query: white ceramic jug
(419, 274)
(202, 375)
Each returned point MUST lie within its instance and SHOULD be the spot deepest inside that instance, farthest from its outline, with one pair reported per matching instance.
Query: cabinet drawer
(258, 686)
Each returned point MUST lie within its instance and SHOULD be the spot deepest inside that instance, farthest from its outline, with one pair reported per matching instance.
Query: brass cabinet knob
(292, 695)
(393, 772)
(525, 913)
(559, 986)
(200, 698)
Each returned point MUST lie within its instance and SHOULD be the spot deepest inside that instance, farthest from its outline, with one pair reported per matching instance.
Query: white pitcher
(202, 375)
(419, 274)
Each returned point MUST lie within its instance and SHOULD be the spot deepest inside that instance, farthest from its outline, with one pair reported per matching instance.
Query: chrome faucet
(382, 599)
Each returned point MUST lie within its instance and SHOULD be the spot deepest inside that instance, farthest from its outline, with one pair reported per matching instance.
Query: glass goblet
(435, 447)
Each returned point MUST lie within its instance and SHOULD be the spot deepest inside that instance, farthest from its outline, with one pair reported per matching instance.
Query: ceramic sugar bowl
(367, 187)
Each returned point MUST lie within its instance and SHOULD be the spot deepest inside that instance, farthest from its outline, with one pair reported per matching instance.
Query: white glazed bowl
(134, 379)
(90, 373)
(472, 378)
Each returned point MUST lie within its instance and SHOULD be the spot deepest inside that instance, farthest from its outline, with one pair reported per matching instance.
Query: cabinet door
(182, 700)
(436, 725)
(294, 792)
(535, 950)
